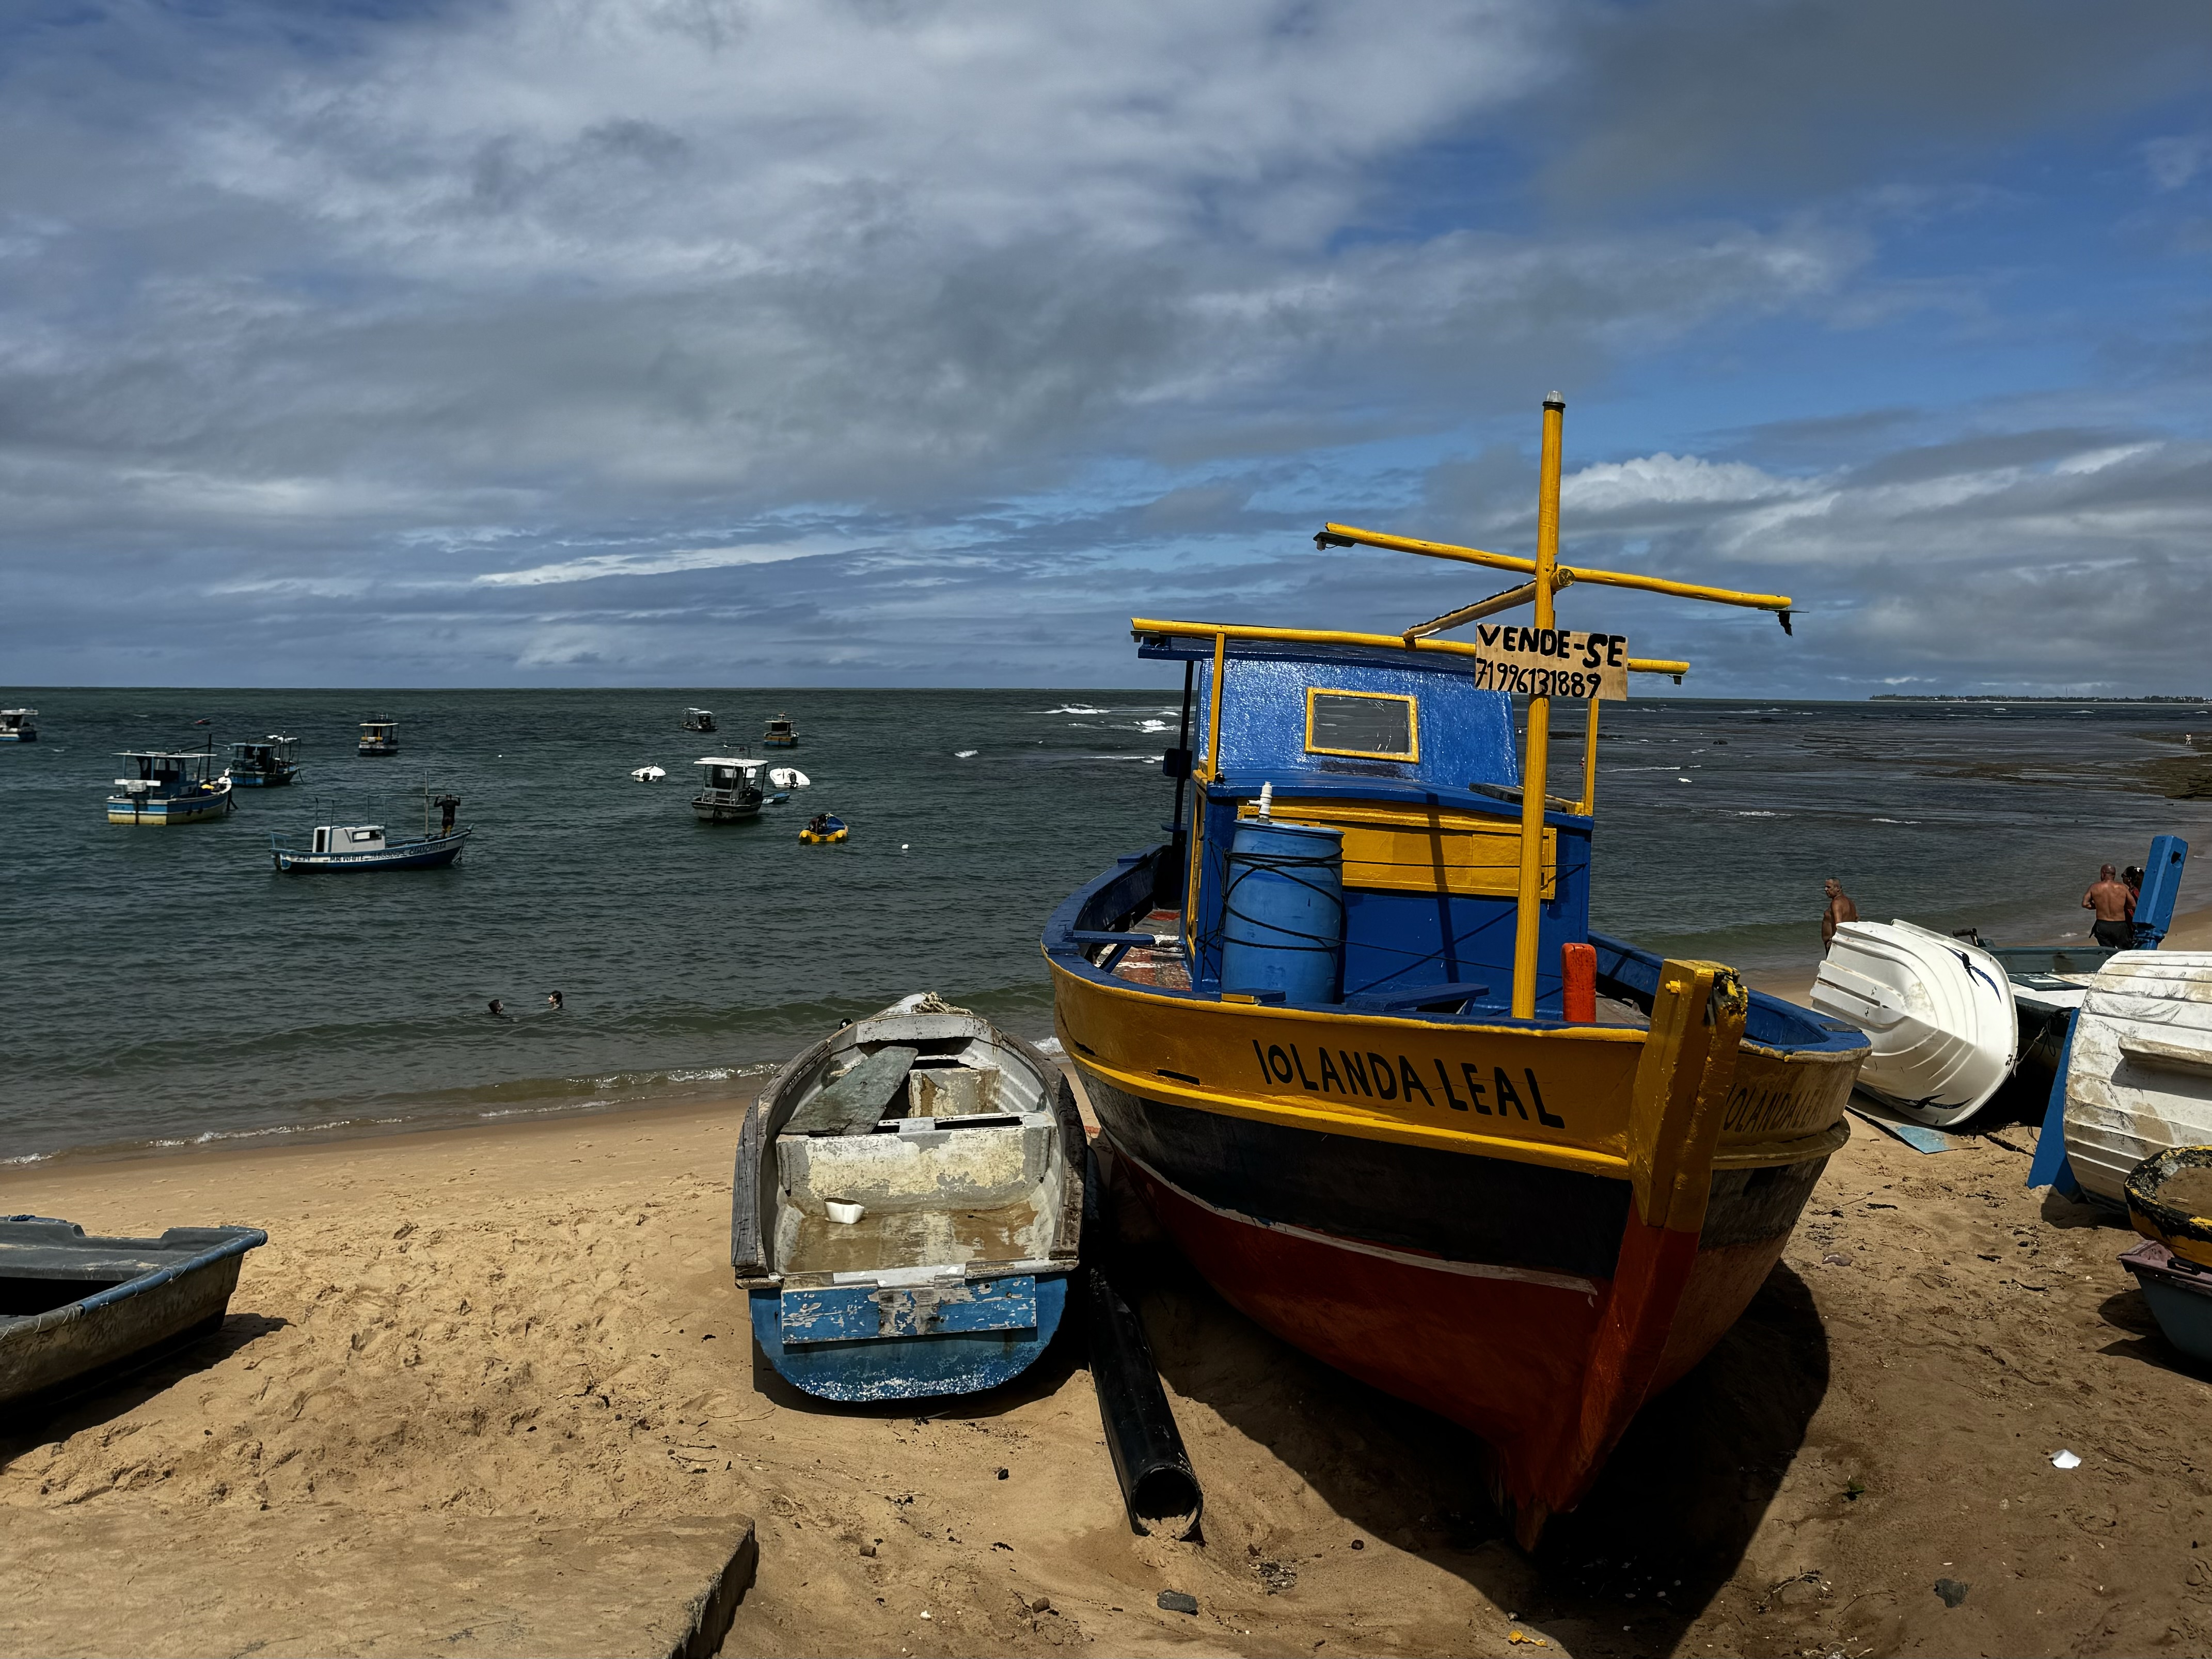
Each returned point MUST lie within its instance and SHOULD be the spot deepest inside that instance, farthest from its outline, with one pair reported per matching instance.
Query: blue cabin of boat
(1417, 766)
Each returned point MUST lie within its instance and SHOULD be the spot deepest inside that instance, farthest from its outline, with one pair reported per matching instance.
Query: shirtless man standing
(2114, 906)
(1840, 909)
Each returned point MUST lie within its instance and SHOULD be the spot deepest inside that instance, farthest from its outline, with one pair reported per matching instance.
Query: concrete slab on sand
(329, 1579)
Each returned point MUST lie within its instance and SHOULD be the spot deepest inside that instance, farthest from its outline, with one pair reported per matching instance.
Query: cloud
(924, 341)
(596, 566)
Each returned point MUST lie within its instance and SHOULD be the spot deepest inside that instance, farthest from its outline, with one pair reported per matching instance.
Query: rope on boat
(1287, 866)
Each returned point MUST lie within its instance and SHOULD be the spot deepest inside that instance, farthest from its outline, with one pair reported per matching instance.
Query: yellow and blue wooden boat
(1344, 1031)
(378, 738)
(781, 733)
(158, 788)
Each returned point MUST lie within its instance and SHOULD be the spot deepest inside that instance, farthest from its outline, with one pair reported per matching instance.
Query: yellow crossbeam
(1345, 534)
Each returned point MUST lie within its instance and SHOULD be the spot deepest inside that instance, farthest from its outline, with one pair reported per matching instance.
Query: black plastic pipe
(1157, 1484)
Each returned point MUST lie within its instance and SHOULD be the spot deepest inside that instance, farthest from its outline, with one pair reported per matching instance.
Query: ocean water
(167, 987)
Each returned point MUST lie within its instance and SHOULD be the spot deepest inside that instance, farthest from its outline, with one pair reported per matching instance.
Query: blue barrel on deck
(1283, 911)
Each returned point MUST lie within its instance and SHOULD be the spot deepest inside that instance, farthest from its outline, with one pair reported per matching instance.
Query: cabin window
(1372, 725)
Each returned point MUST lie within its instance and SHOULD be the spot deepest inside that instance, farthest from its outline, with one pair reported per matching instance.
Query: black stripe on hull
(1460, 1205)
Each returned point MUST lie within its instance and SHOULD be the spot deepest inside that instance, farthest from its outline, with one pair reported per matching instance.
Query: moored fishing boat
(273, 762)
(729, 789)
(1344, 1031)
(356, 848)
(19, 725)
(379, 738)
(907, 1208)
(781, 733)
(160, 787)
(698, 720)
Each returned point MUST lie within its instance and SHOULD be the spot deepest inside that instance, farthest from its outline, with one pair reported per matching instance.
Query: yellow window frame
(1412, 724)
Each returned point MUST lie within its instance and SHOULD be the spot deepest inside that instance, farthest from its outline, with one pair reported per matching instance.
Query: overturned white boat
(2139, 1073)
(1938, 1010)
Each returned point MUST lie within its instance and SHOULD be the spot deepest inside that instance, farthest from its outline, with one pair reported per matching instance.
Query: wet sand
(536, 1323)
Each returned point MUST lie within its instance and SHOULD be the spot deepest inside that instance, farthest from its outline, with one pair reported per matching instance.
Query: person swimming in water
(554, 998)
(497, 1009)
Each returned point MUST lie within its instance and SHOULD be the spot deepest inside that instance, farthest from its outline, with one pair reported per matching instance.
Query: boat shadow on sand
(123, 1392)
(1661, 1533)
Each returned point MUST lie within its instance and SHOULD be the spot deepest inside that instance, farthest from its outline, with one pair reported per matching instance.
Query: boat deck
(911, 1238)
(1161, 965)
(1166, 967)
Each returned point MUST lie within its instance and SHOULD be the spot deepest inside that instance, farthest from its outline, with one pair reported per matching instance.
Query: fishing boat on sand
(729, 789)
(19, 725)
(357, 848)
(78, 1310)
(379, 738)
(1344, 1030)
(907, 1208)
(781, 733)
(160, 787)
(268, 764)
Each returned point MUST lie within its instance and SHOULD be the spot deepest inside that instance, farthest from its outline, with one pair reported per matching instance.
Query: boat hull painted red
(1501, 1346)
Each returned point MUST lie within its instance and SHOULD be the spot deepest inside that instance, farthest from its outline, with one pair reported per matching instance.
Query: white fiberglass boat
(1938, 1010)
(2139, 1074)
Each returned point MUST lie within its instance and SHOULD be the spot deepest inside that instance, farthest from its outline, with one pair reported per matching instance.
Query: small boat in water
(698, 720)
(781, 733)
(19, 725)
(1353, 1041)
(907, 1208)
(2138, 1078)
(273, 762)
(650, 774)
(379, 737)
(77, 1310)
(729, 789)
(364, 847)
(1938, 1011)
(160, 787)
(822, 829)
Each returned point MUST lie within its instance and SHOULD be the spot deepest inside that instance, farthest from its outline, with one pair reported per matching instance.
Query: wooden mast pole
(1536, 767)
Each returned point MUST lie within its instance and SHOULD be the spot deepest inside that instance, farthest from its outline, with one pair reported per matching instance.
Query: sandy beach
(519, 1332)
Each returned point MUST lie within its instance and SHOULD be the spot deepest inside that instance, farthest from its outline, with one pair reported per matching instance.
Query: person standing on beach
(2114, 905)
(1840, 909)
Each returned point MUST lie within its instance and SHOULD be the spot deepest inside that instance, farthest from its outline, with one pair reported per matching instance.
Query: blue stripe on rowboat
(930, 1365)
(857, 1312)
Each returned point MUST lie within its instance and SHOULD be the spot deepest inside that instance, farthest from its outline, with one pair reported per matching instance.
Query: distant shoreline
(1991, 696)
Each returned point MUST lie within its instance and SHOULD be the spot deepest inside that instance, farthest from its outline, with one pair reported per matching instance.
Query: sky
(728, 343)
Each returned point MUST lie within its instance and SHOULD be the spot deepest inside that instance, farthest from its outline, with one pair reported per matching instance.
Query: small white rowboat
(1938, 1012)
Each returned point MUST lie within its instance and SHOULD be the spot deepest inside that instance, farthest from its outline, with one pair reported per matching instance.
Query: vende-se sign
(1551, 662)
